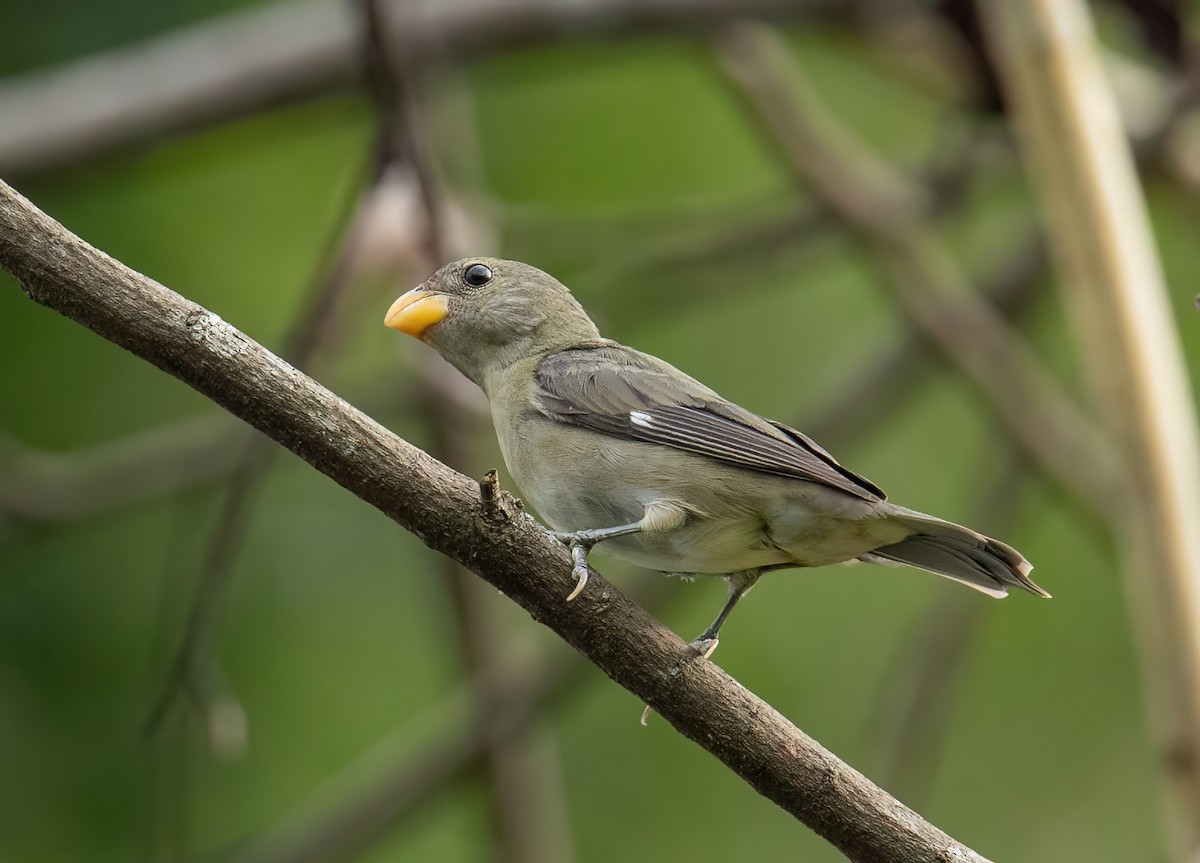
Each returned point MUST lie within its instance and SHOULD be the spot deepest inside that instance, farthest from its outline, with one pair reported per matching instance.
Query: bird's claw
(581, 541)
(579, 570)
(580, 545)
(705, 645)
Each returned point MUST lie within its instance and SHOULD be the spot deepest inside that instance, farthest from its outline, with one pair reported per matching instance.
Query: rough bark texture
(500, 543)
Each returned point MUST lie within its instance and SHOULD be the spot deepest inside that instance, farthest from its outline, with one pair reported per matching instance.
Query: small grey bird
(616, 446)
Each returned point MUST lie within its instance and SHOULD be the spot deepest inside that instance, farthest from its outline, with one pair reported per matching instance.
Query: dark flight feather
(609, 388)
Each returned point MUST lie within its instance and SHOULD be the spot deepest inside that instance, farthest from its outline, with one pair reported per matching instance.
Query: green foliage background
(337, 628)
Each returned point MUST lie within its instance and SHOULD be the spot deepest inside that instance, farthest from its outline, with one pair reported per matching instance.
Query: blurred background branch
(521, 779)
(189, 672)
(882, 205)
(39, 486)
(857, 221)
(287, 51)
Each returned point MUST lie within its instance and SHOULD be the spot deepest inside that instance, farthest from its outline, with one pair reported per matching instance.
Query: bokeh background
(327, 706)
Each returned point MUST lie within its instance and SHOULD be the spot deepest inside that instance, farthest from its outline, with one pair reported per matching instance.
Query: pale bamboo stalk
(1084, 174)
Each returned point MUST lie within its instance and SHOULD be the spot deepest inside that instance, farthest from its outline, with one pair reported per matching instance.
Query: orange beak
(415, 312)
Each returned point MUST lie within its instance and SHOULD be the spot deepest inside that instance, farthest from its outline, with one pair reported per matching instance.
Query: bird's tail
(957, 552)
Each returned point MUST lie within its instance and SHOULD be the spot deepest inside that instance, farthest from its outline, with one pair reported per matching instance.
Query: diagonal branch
(500, 543)
(888, 378)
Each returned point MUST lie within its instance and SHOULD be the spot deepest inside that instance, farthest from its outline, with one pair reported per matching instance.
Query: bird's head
(486, 313)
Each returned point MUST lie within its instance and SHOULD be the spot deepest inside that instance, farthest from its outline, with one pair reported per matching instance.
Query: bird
(615, 446)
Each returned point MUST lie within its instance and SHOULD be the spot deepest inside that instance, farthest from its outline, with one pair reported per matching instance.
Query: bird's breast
(577, 479)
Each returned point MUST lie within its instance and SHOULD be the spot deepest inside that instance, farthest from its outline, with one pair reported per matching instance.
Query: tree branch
(443, 508)
(40, 486)
(887, 379)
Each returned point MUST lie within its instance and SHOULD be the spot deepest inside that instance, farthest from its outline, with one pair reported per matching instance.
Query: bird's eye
(477, 275)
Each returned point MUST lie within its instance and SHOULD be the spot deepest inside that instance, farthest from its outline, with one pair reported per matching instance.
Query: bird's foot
(579, 555)
(579, 543)
(705, 645)
(586, 538)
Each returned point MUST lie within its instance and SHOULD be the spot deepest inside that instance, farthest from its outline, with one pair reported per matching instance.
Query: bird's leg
(739, 585)
(580, 542)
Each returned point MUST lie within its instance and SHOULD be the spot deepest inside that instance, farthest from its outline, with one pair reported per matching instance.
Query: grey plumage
(600, 435)
(610, 388)
(957, 552)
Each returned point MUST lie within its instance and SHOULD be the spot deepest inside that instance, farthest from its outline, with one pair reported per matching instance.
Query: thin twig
(892, 374)
(39, 486)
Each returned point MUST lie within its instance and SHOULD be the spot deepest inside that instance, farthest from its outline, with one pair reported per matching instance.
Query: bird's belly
(704, 546)
(782, 531)
(737, 520)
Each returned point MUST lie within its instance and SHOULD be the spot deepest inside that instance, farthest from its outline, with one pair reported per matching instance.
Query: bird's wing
(615, 390)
